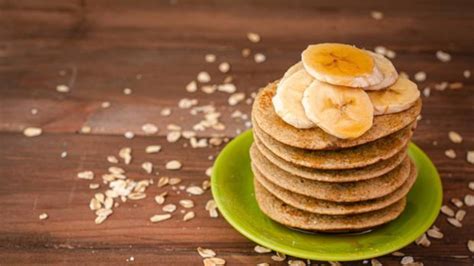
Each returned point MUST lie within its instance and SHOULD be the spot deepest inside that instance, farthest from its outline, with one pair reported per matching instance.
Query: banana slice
(340, 111)
(294, 68)
(341, 64)
(287, 100)
(396, 98)
(390, 74)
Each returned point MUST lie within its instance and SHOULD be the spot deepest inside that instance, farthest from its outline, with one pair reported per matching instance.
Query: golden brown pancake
(339, 192)
(315, 138)
(314, 205)
(292, 217)
(347, 175)
(348, 158)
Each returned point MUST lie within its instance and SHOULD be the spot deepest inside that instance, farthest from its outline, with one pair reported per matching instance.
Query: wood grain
(157, 47)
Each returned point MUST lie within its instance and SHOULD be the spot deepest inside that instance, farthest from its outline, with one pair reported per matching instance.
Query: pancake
(292, 217)
(349, 158)
(313, 205)
(316, 138)
(347, 175)
(339, 192)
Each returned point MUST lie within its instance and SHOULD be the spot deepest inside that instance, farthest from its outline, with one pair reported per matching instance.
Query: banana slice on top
(340, 111)
(402, 95)
(390, 74)
(287, 100)
(341, 64)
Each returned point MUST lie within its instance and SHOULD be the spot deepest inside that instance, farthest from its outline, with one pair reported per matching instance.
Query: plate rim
(299, 253)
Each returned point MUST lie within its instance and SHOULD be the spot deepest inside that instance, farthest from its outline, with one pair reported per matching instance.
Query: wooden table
(98, 48)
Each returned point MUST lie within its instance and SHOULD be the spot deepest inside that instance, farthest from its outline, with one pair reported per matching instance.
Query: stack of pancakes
(311, 180)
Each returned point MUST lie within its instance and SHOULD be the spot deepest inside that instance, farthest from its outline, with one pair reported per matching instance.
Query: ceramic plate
(232, 188)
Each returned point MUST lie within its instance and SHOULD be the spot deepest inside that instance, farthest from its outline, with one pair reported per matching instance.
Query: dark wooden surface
(108, 43)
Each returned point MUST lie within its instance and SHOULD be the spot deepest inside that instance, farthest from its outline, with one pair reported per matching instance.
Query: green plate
(233, 192)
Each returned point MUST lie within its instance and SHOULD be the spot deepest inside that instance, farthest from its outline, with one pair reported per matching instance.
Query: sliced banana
(341, 64)
(390, 74)
(287, 100)
(396, 98)
(294, 68)
(340, 111)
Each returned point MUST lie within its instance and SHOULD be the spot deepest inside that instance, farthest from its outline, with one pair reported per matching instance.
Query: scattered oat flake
(460, 215)
(153, 149)
(296, 263)
(186, 203)
(89, 175)
(457, 202)
(466, 74)
(261, 250)
(469, 200)
(186, 103)
(470, 245)
(160, 217)
(173, 136)
(471, 185)
(259, 58)
(450, 153)
(112, 159)
(192, 86)
(32, 131)
(148, 167)
(43, 216)
(454, 222)
(454, 137)
(188, 216)
(127, 91)
(253, 37)
(62, 88)
(210, 58)
(173, 165)
(375, 262)
(420, 76)
(160, 199)
(213, 261)
(391, 54)
(195, 190)
(470, 157)
(105, 105)
(246, 52)
(278, 256)
(169, 208)
(129, 135)
(203, 77)
(398, 254)
(407, 260)
(427, 92)
(447, 211)
(434, 234)
(227, 87)
(377, 15)
(443, 56)
(149, 128)
(423, 241)
(224, 67)
(126, 154)
(174, 181)
(34, 111)
(263, 264)
(235, 98)
(94, 186)
(206, 253)
(163, 181)
(165, 112)
(86, 129)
